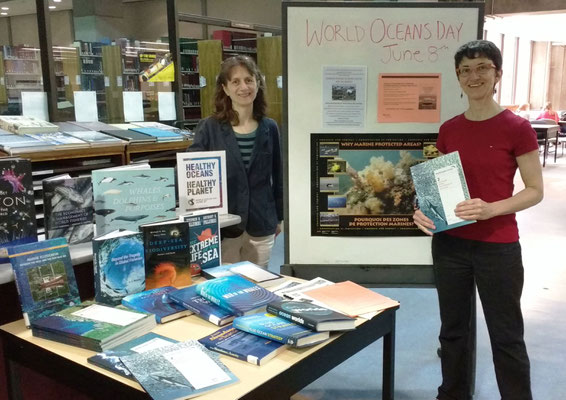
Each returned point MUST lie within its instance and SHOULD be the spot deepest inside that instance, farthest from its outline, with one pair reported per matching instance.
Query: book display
(191, 300)
(156, 301)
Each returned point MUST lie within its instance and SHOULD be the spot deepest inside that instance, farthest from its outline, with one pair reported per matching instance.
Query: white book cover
(202, 181)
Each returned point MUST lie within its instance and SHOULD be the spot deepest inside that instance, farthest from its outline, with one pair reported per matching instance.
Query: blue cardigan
(256, 195)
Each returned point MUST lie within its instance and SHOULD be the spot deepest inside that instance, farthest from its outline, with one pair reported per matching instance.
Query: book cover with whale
(127, 198)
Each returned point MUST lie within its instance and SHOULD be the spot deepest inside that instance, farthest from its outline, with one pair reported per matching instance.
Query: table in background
(547, 132)
(280, 378)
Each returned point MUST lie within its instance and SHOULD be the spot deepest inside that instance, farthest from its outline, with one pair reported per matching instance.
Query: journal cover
(190, 299)
(156, 301)
(204, 240)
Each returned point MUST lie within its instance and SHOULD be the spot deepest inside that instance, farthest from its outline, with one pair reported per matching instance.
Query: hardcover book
(14, 144)
(95, 138)
(21, 124)
(242, 345)
(310, 315)
(236, 294)
(59, 139)
(44, 278)
(190, 299)
(17, 208)
(161, 135)
(119, 268)
(166, 252)
(93, 326)
(156, 301)
(179, 371)
(202, 181)
(440, 185)
(110, 360)
(130, 136)
(68, 208)
(204, 241)
(126, 198)
(279, 329)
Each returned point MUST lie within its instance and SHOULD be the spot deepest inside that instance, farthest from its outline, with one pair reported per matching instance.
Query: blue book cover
(179, 371)
(161, 134)
(236, 294)
(110, 360)
(119, 268)
(17, 207)
(242, 345)
(156, 301)
(204, 240)
(279, 329)
(440, 185)
(44, 277)
(125, 199)
(190, 299)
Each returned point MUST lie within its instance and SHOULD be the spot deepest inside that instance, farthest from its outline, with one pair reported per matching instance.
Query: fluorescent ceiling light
(5, 8)
(3, 13)
(56, 1)
(52, 7)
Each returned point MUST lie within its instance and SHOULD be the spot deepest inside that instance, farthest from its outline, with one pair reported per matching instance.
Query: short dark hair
(479, 48)
(224, 111)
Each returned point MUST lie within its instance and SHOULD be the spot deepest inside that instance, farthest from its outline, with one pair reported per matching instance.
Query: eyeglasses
(480, 70)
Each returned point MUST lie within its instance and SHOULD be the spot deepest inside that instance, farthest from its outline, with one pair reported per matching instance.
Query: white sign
(166, 106)
(34, 104)
(133, 106)
(86, 109)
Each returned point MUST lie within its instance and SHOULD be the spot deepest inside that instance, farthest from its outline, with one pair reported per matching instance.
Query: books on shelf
(312, 316)
(236, 294)
(191, 300)
(440, 185)
(279, 329)
(44, 277)
(202, 181)
(125, 198)
(244, 346)
(156, 301)
(17, 208)
(110, 359)
(248, 270)
(22, 124)
(119, 268)
(204, 241)
(179, 371)
(161, 135)
(68, 208)
(166, 253)
(93, 326)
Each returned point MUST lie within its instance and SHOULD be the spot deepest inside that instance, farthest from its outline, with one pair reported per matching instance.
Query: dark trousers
(497, 270)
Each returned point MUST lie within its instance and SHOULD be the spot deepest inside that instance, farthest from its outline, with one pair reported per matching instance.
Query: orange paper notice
(351, 299)
(408, 98)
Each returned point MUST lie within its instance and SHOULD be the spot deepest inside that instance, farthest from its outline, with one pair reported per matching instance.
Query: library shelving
(190, 76)
(22, 72)
(92, 74)
(67, 74)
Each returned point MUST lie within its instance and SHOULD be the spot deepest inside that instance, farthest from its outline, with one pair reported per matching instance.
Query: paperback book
(110, 359)
(156, 301)
(44, 278)
(95, 138)
(440, 185)
(236, 294)
(17, 208)
(310, 315)
(130, 136)
(93, 326)
(244, 346)
(68, 208)
(166, 253)
(126, 198)
(279, 329)
(248, 270)
(191, 300)
(59, 139)
(161, 135)
(119, 268)
(22, 124)
(204, 241)
(179, 371)
(202, 181)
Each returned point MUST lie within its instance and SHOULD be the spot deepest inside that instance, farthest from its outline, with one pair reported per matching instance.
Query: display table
(280, 378)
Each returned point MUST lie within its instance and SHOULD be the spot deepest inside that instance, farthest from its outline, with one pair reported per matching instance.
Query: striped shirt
(246, 143)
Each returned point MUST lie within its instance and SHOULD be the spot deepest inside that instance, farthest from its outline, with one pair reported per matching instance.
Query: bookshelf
(210, 58)
(22, 72)
(92, 74)
(190, 76)
(270, 63)
(67, 75)
(112, 69)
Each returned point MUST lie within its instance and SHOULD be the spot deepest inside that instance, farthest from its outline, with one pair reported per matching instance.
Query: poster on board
(344, 96)
(361, 183)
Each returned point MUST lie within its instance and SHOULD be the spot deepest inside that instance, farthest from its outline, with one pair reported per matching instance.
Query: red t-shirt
(488, 150)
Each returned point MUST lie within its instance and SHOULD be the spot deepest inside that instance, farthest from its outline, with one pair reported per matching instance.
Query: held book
(17, 208)
(204, 241)
(156, 301)
(236, 294)
(202, 181)
(93, 326)
(312, 316)
(279, 329)
(248, 270)
(244, 346)
(44, 278)
(190, 299)
(179, 371)
(119, 268)
(110, 359)
(68, 208)
(440, 185)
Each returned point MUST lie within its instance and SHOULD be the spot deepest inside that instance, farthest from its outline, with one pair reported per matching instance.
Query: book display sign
(202, 181)
(361, 183)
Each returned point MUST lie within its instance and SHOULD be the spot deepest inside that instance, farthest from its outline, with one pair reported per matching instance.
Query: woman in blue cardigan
(253, 160)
